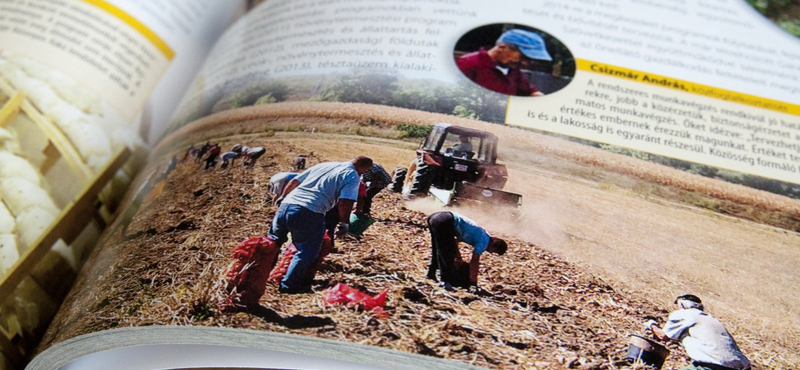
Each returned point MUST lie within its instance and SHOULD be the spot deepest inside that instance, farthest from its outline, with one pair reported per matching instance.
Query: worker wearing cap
(376, 179)
(447, 229)
(497, 69)
(303, 203)
(704, 338)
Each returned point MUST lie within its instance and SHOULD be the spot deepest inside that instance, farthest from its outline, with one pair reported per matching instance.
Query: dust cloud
(542, 223)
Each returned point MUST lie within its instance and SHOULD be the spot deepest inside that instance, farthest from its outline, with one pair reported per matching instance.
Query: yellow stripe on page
(688, 87)
(138, 26)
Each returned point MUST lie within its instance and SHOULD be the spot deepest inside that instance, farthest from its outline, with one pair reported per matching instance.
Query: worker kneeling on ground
(303, 204)
(704, 338)
(447, 229)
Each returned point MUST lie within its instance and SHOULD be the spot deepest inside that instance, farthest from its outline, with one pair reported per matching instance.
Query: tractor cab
(463, 143)
(458, 154)
(456, 164)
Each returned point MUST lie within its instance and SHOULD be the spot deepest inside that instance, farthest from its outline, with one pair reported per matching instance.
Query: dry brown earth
(547, 303)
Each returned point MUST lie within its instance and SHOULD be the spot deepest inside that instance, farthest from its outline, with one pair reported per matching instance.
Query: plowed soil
(543, 304)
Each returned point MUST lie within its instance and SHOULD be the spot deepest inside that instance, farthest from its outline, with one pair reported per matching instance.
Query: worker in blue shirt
(303, 204)
(447, 229)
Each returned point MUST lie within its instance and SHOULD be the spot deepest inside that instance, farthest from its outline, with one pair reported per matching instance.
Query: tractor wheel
(418, 180)
(398, 177)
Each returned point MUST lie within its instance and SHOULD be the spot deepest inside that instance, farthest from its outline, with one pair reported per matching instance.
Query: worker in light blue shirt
(704, 337)
(303, 204)
(447, 229)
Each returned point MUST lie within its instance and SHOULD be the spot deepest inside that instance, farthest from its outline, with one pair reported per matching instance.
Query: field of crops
(518, 147)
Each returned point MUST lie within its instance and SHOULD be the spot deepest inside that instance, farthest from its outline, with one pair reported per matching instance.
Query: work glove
(650, 323)
(344, 227)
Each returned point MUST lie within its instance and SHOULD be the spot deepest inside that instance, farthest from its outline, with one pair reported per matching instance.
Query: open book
(627, 152)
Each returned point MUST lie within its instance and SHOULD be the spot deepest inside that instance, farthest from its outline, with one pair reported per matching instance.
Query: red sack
(282, 266)
(347, 295)
(285, 260)
(246, 276)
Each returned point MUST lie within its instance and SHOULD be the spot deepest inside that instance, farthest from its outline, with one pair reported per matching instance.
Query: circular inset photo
(513, 59)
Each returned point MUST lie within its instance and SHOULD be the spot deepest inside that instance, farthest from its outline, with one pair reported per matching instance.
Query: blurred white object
(13, 167)
(32, 223)
(20, 195)
(9, 252)
(8, 141)
(7, 221)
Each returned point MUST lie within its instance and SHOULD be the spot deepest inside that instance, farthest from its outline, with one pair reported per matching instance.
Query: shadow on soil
(291, 322)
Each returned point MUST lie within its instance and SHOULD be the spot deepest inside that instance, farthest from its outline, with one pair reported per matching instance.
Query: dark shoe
(286, 290)
(305, 288)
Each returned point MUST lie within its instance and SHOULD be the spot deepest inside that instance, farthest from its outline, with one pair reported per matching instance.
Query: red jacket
(481, 69)
(214, 151)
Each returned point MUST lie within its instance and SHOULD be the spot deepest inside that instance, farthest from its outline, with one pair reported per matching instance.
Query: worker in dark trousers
(301, 212)
(202, 152)
(211, 156)
(447, 229)
(376, 180)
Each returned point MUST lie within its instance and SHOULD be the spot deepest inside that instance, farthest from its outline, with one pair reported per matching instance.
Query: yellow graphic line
(686, 86)
(138, 26)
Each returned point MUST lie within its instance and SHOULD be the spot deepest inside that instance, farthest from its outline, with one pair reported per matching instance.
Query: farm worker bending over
(376, 180)
(704, 338)
(228, 158)
(211, 156)
(303, 204)
(447, 229)
(498, 69)
(299, 162)
(251, 155)
(202, 152)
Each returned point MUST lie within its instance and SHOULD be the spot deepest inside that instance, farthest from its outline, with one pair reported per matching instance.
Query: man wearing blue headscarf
(498, 69)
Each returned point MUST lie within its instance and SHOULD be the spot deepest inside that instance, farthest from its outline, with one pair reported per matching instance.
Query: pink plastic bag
(347, 295)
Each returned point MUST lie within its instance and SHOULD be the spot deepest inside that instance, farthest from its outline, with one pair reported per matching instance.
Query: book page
(191, 28)
(606, 144)
(75, 77)
(709, 93)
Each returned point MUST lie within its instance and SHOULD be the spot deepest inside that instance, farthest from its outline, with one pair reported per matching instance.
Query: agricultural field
(608, 241)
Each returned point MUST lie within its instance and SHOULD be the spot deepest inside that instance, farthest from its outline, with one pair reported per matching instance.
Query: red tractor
(456, 165)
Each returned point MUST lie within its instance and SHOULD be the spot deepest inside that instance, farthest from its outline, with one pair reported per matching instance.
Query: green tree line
(465, 99)
(785, 13)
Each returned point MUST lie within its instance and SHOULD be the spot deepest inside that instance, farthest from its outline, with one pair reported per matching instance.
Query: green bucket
(359, 223)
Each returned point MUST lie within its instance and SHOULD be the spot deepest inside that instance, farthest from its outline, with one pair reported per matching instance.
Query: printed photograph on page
(623, 184)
